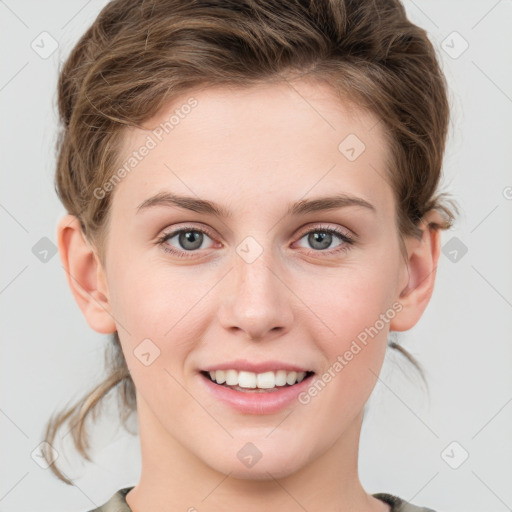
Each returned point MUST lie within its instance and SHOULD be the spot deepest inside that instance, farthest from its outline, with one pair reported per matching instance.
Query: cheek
(349, 300)
(354, 321)
(157, 309)
(152, 300)
(163, 310)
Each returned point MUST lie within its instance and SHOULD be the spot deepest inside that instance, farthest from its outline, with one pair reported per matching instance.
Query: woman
(252, 206)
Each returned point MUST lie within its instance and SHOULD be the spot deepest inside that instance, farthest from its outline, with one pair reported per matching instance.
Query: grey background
(51, 356)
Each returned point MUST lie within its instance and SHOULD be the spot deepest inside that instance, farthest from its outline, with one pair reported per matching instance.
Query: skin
(254, 151)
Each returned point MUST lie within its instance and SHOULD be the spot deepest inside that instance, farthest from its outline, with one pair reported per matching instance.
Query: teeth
(247, 380)
(251, 380)
(219, 376)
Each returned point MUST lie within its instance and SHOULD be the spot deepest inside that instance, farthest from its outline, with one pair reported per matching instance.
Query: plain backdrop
(450, 450)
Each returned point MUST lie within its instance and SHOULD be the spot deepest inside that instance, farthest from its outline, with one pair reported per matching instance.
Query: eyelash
(319, 229)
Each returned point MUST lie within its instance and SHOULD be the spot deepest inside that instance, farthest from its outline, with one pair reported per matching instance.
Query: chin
(268, 473)
(265, 468)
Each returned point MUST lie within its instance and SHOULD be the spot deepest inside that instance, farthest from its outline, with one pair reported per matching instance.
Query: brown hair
(140, 54)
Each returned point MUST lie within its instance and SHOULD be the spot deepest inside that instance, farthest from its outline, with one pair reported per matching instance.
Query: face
(272, 279)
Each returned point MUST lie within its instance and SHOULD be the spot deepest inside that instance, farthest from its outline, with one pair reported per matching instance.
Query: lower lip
(252, 402)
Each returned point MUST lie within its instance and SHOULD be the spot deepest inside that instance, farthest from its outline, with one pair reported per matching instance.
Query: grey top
(118, 503)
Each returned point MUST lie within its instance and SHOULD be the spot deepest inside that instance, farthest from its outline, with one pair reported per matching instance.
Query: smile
(244, 380)
(255, 393)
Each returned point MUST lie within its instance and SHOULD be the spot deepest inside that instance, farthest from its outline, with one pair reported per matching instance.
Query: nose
(255, 299)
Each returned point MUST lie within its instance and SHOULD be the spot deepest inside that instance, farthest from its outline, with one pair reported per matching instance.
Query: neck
(173, 478)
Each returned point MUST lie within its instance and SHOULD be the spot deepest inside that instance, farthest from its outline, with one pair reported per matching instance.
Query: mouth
(250, 382)
(265, 392)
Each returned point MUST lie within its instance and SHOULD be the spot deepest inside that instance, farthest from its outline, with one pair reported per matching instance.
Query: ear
(418, 273)
(85, 275)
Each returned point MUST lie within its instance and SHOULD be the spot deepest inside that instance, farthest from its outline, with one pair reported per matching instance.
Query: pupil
(325, 239)
(194, 237)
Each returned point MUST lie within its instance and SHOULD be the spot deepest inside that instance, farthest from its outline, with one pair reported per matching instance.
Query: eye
(189, 239)
(321, 238)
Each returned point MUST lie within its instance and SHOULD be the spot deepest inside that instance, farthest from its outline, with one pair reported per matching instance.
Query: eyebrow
(301, 207)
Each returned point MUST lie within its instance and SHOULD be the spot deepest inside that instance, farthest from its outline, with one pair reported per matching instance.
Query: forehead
(280, 138)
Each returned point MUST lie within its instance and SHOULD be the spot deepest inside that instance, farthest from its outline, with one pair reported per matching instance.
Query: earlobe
(85, 275)
(420, 271)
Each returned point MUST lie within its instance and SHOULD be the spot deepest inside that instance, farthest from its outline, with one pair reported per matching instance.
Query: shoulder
(399, 504)
(117, 503)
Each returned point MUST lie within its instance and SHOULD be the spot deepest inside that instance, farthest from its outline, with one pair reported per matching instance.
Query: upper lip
(250, 366)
